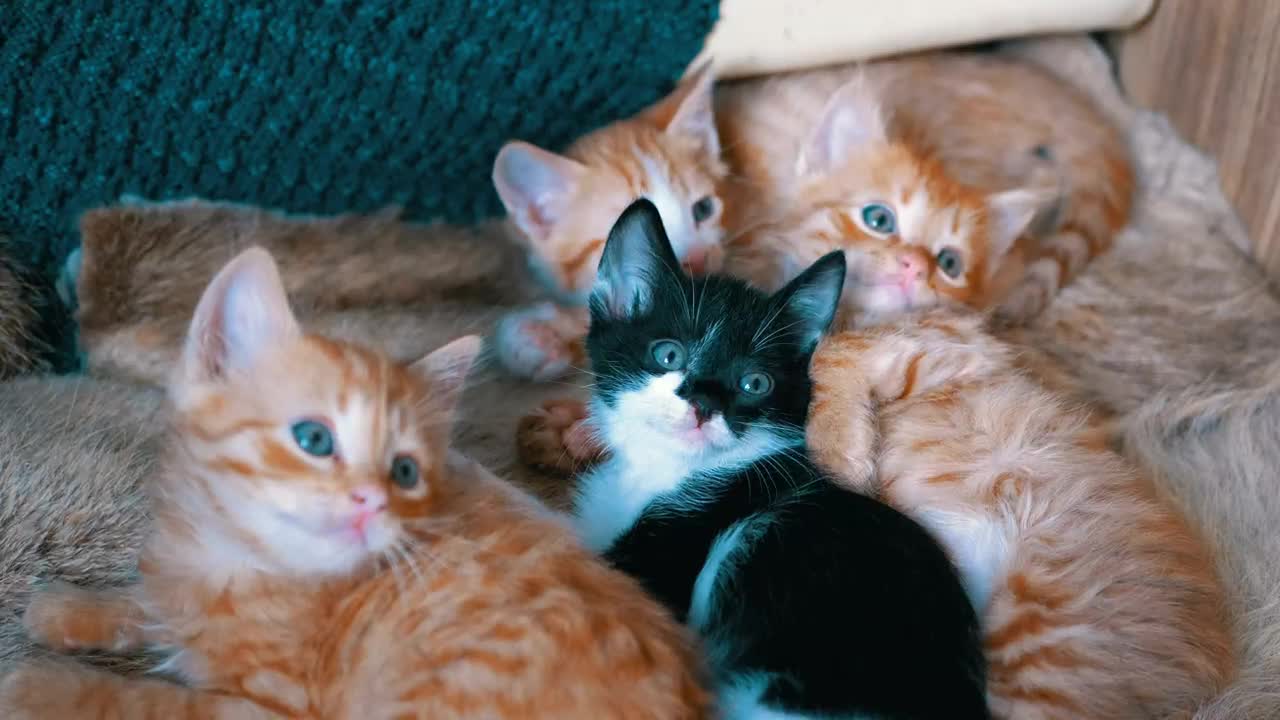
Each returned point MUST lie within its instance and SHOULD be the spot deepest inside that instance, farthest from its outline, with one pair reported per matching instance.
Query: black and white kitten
(813, 601)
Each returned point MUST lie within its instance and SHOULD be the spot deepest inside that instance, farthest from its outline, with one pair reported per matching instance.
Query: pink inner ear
(243, 312)
(851, 120)
(534, 185)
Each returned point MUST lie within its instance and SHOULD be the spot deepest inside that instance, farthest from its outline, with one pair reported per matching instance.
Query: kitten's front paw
(542, 342)
(558, 439)
(67, 618)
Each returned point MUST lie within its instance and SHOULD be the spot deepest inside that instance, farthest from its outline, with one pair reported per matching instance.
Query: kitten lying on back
(946, 177)
(813, 601)
(564, 205)
(318, 552)
(1097, 600)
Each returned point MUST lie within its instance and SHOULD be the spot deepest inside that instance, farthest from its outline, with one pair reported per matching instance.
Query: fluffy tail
(1217, 455)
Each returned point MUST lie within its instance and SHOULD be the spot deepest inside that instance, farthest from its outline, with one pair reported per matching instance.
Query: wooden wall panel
(1214, 67)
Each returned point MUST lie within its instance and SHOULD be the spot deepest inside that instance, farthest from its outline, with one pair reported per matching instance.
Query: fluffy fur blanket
(1176, 331)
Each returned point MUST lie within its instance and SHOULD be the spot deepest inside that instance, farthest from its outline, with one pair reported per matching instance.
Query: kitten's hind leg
(542, 342)
(68, 618)
(57, 691)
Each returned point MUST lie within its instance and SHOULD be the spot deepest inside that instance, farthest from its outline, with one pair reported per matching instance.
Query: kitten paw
(558, 439)
(542, 342)
(66, 618)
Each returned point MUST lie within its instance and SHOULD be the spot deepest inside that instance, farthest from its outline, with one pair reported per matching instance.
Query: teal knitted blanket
(311, 106)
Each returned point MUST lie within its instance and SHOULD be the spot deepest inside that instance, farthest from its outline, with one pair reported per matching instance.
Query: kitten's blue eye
(313, 437)
(879, 219)
(950, 262)
(669, 354)
(756, 383)
(404, 472)
(703, 209)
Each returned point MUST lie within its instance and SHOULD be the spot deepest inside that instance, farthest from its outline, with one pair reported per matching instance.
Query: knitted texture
(307, 105)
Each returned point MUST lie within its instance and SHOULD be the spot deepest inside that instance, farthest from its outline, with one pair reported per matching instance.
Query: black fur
(846, 605)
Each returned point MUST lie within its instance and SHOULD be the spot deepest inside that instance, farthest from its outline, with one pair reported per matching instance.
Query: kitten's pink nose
(912, 267)
(695, 261)
(369, 498)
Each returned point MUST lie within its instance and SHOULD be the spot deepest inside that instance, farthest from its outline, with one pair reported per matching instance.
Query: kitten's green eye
(703, 209)
(950, 262)
(313, 437)
(756, 383)
(669, 354)
(404, 472)
(879, 219)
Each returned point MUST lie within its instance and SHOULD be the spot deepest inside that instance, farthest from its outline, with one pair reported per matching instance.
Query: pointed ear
(1009, 214)
(535, 186)
(690, 110)
(851, 120)
(636, 255)
(445, 370)
(813, 298)
(243, 312)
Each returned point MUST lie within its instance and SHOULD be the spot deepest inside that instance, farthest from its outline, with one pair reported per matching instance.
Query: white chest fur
(979, 545)
(614, 494)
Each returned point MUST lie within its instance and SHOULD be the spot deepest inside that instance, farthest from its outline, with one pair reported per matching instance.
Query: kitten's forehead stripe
(664, 196)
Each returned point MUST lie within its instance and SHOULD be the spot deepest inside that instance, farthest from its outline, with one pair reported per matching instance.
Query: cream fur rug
(1176, 330)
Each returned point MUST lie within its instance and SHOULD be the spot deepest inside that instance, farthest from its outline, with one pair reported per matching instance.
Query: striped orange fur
(1097, 599)
(993, 157)
(336, 583)
(563, 205)
(982, 155)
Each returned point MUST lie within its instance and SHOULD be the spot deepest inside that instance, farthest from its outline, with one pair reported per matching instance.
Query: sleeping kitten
(563, 206)
(1097, 599)
(318, 552)
(946, 178)
(814, 601)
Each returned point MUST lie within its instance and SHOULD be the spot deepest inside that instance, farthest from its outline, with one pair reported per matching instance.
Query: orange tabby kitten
(318, 553)
(938, 177)
(563, 206)
(945, 177)
(1097, 600)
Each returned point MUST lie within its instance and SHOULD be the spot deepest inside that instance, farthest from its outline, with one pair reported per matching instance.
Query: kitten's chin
(713, 436)
(321, 546)
(700, 445)
(875, 304)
